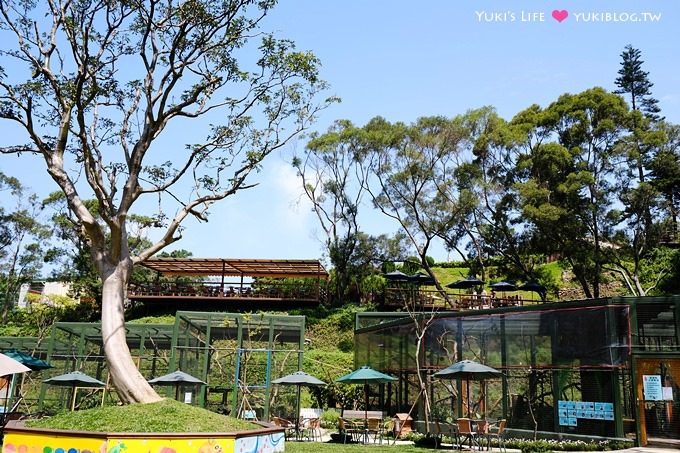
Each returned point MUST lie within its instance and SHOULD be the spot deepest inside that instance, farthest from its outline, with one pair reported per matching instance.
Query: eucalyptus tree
(332, 181)
(95, 89)
(409, 165)
(24, 240)
(482, 188)
(665, 173)
(503, 155)
(567, 190)
(648, 222)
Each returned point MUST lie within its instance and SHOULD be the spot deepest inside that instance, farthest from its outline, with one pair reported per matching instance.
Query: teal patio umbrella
(466, 283)
(396, 276)
(30, 361)
(365, 375)
(503, 286)
(534, 287)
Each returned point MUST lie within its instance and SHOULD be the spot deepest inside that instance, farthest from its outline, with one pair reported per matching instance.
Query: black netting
(549, 357)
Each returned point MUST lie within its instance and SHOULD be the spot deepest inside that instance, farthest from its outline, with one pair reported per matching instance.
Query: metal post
(206, 363)
(239, 340)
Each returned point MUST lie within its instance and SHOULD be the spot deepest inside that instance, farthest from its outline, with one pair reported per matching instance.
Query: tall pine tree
(634, 81)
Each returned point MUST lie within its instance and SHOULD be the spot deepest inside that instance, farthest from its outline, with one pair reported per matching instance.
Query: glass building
(598, 368)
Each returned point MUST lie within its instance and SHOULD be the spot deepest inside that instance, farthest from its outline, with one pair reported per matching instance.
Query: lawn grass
(165, 416)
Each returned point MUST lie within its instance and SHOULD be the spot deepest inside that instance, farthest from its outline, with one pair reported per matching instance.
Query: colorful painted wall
(42, 442)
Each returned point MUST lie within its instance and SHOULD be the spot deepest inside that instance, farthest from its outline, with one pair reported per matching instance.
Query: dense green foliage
(165, 416)
(329, 353)
(590, 180)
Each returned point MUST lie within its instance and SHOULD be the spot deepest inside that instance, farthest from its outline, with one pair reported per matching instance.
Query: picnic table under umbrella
(396, 276)
(468, 370)
(177, 378)
(534, 287)
(466, 283)
(503, 286)
(299, 378)
(366, 375)
(421, 279)
(75, 379)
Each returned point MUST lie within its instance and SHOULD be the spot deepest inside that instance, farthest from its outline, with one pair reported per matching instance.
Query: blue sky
(406, 59)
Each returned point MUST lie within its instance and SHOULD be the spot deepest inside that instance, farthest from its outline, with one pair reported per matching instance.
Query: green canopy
(365, 375)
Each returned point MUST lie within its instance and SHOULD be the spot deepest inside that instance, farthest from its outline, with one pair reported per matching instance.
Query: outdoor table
(467, 431)
(360, 427)
(350, 428)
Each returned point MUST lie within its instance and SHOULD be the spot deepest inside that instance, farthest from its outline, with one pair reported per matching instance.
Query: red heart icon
(560, 14)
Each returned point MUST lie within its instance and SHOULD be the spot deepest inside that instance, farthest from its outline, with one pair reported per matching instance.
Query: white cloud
(291, 205)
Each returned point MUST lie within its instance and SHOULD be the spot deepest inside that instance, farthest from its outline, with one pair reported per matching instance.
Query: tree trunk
(130, 384)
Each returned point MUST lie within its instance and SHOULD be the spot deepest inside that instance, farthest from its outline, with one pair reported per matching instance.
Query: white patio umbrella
(10, 367)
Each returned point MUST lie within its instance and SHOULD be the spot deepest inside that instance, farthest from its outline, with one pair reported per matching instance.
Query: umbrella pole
(10, 384)
(297, 415)
(10, 393)
(366, 411)
(467, 389)
(73, 399)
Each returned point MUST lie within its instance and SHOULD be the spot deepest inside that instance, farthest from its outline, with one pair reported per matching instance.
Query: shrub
(329, 419)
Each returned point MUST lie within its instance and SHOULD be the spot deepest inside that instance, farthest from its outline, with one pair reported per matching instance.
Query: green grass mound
(165, 416)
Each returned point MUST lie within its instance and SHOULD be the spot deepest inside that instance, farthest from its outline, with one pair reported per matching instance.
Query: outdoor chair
(444, 429)
(497, 431)
(466, 433)
(348, 429)
(482, 428)
(312, 428)
(438, 434)
(288, 426)
(375, 429)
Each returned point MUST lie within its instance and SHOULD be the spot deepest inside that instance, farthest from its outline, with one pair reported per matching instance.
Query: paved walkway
(650, 450)
(325, 437)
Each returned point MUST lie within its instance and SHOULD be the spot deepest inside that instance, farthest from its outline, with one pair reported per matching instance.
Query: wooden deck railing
(217, 290)
(428, 299)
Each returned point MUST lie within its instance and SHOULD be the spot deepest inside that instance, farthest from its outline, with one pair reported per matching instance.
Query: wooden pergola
(293, 282)
(200, 267)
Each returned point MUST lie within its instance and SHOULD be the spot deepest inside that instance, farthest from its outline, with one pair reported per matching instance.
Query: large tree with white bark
(100, 91)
